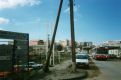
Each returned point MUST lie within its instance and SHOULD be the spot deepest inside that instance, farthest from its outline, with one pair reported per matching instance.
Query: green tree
(59, 47)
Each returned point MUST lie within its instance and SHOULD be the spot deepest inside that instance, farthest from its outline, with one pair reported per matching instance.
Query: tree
(40, 42)
(59, 47)
(31, 49)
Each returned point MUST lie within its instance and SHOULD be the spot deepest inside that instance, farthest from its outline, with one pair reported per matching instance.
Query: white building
(116, 52)
(64, 43)
(86, 43)
(115, 43)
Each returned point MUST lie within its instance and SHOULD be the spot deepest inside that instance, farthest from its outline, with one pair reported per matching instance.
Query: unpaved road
(110, 70)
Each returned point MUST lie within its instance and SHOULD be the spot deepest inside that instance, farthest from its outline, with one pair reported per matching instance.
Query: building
(115, 43)
(37, 46)
(40, 42)
(38, 49)
(64, 43)
(36, 42)
(86, 44)
(33, 42)
(116, 52)
(114, 47)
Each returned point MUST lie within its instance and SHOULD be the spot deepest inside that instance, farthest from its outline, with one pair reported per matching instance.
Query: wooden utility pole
(46, 68)
(72, 36)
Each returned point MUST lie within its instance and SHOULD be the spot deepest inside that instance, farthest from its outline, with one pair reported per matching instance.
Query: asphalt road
(110, 70)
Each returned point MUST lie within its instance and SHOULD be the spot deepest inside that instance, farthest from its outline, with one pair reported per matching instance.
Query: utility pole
(72, 36)
(53, 51)
(46, 68)
(46, 43)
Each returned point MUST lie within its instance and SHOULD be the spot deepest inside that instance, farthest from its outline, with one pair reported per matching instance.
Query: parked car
(32, 65)
(35, 65)
(82, 59)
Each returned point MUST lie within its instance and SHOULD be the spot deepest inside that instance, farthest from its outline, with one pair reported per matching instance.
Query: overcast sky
(95, 20)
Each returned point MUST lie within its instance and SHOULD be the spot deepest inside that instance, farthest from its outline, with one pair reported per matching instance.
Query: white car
(32, 65)
(35, 65)
(82, 59)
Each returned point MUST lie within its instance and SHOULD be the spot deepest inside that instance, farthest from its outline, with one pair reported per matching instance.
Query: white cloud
(66, 10)
(76, 8)
(4, 20)
(77, 13)
(14, 3)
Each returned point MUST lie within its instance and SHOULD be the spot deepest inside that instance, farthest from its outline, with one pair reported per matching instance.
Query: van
(82, 59)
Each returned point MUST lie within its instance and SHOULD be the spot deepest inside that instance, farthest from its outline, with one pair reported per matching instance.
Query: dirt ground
(60, 72)
(93, 70)
(63, 72)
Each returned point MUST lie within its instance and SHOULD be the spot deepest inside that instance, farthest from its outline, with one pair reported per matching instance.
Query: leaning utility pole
(46, 68)
(72, 36)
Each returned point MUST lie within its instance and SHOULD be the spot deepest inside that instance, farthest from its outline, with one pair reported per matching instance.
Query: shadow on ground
(92, 71)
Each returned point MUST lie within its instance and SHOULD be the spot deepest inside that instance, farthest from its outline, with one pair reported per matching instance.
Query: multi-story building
(33, 42)
(86, 44)
(37, 46)
(116, 43)
(65, 43)
(38, 49)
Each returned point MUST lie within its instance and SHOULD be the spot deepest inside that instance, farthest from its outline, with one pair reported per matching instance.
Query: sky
(94, 20)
